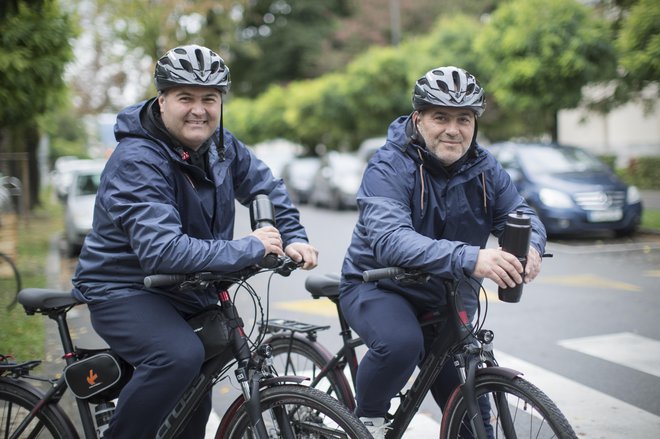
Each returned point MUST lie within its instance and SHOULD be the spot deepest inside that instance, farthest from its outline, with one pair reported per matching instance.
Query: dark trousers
(149, 332)
(389, 325)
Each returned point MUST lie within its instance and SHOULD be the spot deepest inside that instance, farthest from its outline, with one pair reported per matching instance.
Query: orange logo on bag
(91, 378)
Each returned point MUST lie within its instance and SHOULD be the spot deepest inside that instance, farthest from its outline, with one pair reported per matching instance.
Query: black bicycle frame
(458, 329)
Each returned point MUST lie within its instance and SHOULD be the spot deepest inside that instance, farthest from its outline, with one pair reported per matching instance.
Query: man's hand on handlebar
(271, 239)
(533, 267)
(303, 252)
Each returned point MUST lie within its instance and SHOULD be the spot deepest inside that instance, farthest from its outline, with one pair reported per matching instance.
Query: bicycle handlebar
(284, 266)
(382, 273)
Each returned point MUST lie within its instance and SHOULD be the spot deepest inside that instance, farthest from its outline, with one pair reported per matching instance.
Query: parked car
(337, 181)
(368, 147)
(572, 191)
(79, 207)
(64, 169)
(298, 175)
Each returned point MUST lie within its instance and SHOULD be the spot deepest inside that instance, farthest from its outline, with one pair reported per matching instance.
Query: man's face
(447, 131)
(190, 114)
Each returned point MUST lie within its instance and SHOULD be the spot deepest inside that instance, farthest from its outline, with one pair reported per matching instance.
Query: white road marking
(592, 414)
(625, 348)
(212, 425)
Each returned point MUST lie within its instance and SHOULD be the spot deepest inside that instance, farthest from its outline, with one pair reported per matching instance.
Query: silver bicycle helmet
(449, 87)
(191, 65)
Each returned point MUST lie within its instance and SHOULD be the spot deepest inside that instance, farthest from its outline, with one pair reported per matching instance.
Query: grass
(21, 335)
(651, 219)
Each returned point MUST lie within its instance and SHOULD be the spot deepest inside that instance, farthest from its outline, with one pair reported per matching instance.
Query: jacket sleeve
(139, 198)
(384, 201)
(252, 177)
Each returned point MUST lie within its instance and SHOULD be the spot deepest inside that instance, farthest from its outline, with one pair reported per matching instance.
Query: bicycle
(516, 407)
(270, 406)
(11, 284)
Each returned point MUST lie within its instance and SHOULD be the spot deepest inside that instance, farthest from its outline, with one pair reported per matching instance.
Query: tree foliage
(639, 46)
(34, 50)
(539, 54)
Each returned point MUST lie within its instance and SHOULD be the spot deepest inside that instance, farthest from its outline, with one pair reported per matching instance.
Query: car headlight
(633, 195)
(555, 198)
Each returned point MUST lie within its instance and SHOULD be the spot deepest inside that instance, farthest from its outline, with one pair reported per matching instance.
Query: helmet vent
(186, 65)
(457, 80)
(200, 59)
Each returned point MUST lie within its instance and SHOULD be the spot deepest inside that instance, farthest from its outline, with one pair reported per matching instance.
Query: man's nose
(453, 127)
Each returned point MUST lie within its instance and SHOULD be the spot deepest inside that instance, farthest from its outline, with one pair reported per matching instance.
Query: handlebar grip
(270, 261)
(163, 280)
(381, 273)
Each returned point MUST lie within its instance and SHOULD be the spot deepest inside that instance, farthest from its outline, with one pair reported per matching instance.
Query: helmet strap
(220, 139)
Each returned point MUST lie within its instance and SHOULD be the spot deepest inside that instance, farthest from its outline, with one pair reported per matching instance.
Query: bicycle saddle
(326, 285)
(44, 300)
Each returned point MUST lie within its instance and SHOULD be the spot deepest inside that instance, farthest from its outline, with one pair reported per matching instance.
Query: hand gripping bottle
(262, 214)
(515, 241)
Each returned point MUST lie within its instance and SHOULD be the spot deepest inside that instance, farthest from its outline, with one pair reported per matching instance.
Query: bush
(643, 172)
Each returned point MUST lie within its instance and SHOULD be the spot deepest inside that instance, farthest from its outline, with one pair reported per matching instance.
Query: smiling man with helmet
(429, 199)
(166, 205)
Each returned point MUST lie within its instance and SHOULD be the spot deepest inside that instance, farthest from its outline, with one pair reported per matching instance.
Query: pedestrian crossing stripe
(591, 413)
(625, 348)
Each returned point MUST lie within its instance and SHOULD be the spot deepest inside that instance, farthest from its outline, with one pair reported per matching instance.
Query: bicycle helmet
(449, 87)
(191, 65)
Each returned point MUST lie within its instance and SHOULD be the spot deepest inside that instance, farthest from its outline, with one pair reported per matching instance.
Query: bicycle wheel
(518, 409)
(10, 281)
(308, 360)
(16, 402)
(312, 414)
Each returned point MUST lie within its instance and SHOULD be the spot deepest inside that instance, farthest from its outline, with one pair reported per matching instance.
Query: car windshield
(88, 184)
(548, 160)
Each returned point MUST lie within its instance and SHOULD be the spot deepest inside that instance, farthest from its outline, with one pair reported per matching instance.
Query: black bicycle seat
(44, 300)
(326, 285)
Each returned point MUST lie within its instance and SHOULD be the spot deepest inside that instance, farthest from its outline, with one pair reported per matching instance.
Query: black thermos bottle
(262, 214)
(515, 241)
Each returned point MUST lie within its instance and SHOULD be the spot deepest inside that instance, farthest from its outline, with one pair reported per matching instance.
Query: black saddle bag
(213, 329)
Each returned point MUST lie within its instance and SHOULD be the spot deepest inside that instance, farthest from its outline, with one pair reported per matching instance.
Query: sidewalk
(651, 199)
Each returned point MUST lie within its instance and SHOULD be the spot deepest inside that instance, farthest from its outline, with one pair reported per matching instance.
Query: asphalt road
(585, 331)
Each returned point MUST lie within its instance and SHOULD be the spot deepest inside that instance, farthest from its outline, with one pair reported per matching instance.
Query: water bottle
(515, 241)
(262, 214)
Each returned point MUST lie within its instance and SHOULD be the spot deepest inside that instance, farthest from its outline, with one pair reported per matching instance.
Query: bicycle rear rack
(276, 325)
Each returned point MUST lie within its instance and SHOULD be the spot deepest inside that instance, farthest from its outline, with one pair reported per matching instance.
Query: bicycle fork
(250, 384)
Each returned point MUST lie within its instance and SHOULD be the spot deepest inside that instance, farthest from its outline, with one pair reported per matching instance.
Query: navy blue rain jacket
(413, 213)
(156, 213)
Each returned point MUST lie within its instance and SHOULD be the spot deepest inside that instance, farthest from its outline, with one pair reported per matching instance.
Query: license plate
(600, 216)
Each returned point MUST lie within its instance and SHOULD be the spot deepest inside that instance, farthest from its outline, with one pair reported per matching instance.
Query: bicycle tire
(307, 359)
(6, 287)
(533, 412)
(17, 401)
(313, 413)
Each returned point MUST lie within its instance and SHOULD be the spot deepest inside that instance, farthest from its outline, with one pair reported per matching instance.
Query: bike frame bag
(98, 376)
(213, 329)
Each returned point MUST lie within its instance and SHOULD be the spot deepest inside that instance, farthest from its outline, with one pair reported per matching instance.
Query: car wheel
(625, 233)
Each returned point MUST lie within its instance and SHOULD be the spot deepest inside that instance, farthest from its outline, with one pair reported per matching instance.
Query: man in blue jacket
(429, 199)
(166, 205)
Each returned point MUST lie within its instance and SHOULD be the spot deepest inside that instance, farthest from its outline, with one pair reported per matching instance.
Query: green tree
(280, 41)
(34, 50)
(538, 54)
(638, 44)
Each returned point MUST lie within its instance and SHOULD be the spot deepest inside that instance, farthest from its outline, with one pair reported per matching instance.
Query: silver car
(79, 207)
